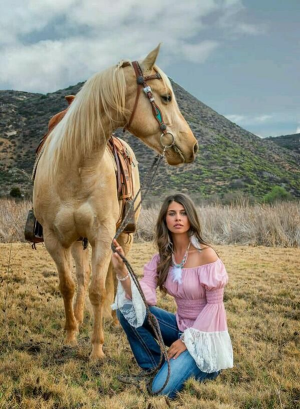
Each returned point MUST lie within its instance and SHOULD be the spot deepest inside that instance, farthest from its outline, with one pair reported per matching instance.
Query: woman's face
(176, 219)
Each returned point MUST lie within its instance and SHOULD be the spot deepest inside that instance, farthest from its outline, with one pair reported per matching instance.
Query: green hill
(291, 142)
(230, 160)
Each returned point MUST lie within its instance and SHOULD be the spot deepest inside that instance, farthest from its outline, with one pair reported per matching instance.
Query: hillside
(230, 159)
(291, 142)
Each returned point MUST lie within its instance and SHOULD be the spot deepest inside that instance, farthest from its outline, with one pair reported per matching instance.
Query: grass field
(262, 301)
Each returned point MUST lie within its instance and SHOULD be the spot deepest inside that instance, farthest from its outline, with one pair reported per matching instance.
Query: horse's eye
(166, 98)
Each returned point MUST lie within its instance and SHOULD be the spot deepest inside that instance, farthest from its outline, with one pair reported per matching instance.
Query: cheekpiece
(147, 89)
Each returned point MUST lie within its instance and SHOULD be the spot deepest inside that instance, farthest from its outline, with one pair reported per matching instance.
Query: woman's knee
(122, 319)
(159, 388)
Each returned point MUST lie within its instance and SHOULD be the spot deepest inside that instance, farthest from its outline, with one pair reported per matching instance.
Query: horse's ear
(149, 61)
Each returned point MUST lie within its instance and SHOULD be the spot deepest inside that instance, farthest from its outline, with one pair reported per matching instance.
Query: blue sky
(240, 57)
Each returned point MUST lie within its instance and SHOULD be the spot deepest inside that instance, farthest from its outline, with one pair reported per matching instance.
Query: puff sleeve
(134, 309)
(208, 340)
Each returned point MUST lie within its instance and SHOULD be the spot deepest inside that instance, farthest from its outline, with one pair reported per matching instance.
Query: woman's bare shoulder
(207, 255)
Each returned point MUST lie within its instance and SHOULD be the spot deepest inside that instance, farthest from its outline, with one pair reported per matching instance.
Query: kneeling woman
(190, 271)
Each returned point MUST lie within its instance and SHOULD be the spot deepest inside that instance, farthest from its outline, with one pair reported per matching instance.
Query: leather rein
(148, 180)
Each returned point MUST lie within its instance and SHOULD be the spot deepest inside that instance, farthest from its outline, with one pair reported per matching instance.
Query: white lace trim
(134, 310)
(211, 351)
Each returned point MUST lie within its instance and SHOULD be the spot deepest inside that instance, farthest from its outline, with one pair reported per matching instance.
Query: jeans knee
(122, 320)
(168, 389)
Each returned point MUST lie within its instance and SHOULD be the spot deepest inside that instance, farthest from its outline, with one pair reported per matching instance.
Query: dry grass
(12, 220)
(37, 371)
(277, 225)
(260, 225)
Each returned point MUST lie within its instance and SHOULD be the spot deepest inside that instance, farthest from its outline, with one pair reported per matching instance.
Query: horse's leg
(63, 261)
(101, 256)
(110, 285)
(81, 258)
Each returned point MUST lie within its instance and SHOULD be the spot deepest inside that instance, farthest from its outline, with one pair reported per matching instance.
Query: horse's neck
(88, 138)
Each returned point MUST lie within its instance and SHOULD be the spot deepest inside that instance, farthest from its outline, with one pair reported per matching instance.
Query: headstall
(142, 84)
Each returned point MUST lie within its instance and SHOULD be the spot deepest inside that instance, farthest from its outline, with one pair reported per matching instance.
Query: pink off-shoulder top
(199, 298)
(200, 311)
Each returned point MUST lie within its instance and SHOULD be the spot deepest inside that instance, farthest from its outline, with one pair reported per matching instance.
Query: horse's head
(142, 121)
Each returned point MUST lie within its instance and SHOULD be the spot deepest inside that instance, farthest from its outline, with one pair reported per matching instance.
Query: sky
(240, 57)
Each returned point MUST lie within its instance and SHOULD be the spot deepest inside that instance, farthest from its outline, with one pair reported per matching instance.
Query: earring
(195, 242)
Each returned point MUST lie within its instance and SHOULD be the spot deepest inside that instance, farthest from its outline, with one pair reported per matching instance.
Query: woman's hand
(117, 262)
(176, 349)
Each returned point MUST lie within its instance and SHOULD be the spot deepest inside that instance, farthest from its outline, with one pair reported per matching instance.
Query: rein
(148, 180)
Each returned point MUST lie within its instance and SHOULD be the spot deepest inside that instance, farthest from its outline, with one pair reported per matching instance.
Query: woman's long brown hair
(163, 238)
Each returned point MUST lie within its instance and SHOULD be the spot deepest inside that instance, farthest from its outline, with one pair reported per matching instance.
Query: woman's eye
(166, 98)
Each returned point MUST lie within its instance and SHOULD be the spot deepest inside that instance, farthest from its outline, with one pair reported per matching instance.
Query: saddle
(123, 165)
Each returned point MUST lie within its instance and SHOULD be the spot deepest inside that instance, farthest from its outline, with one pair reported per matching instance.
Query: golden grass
(266, 225)
(37, 371)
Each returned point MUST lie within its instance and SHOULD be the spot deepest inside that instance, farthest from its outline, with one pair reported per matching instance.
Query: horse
(75, 193)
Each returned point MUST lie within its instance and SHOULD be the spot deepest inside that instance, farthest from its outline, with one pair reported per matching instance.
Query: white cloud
(262, 118)
(200, 52)
(47, 45)
(235, 118)
(249, 120)
(251, 29)
(298, 129)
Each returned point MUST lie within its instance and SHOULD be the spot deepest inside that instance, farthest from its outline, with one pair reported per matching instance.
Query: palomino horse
(75, 192)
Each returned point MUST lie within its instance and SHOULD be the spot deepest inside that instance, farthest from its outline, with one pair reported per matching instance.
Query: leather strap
(141, 82)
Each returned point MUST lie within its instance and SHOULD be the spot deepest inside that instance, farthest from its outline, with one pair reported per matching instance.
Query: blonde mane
(82, 130)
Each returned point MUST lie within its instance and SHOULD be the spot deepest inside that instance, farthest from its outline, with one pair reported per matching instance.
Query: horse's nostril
(196, 147)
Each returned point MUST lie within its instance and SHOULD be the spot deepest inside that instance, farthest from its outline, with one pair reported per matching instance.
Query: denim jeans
(147, 353)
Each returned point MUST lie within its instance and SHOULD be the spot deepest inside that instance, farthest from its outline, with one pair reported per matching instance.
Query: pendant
(177, 274)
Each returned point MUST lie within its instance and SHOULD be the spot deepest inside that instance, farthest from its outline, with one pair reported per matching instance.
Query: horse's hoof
(97, 354)
(71, 343)
(71, 339)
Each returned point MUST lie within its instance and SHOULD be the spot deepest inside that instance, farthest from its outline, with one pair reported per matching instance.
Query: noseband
(142, 83)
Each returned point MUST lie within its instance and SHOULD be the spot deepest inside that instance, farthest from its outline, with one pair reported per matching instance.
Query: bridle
(142, 84)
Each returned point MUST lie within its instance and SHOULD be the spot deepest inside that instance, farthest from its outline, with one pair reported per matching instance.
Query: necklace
(177, 268)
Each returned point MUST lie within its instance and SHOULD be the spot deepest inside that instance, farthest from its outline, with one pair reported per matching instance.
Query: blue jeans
(147, 353)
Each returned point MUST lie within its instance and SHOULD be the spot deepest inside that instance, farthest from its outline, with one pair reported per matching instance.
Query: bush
(278, 193)
(15, 192)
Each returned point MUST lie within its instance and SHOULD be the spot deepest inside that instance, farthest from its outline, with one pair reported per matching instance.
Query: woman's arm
(121, 270)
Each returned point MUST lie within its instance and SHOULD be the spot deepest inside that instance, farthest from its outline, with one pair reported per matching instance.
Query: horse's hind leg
(63, 261)
(81, 258)
(110, 286)
(101, 256)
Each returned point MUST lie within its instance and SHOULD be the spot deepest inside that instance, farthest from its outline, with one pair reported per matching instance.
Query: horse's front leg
(101, 256)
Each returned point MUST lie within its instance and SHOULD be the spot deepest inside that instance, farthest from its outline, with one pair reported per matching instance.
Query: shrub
(15, 192)
(278, 193)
